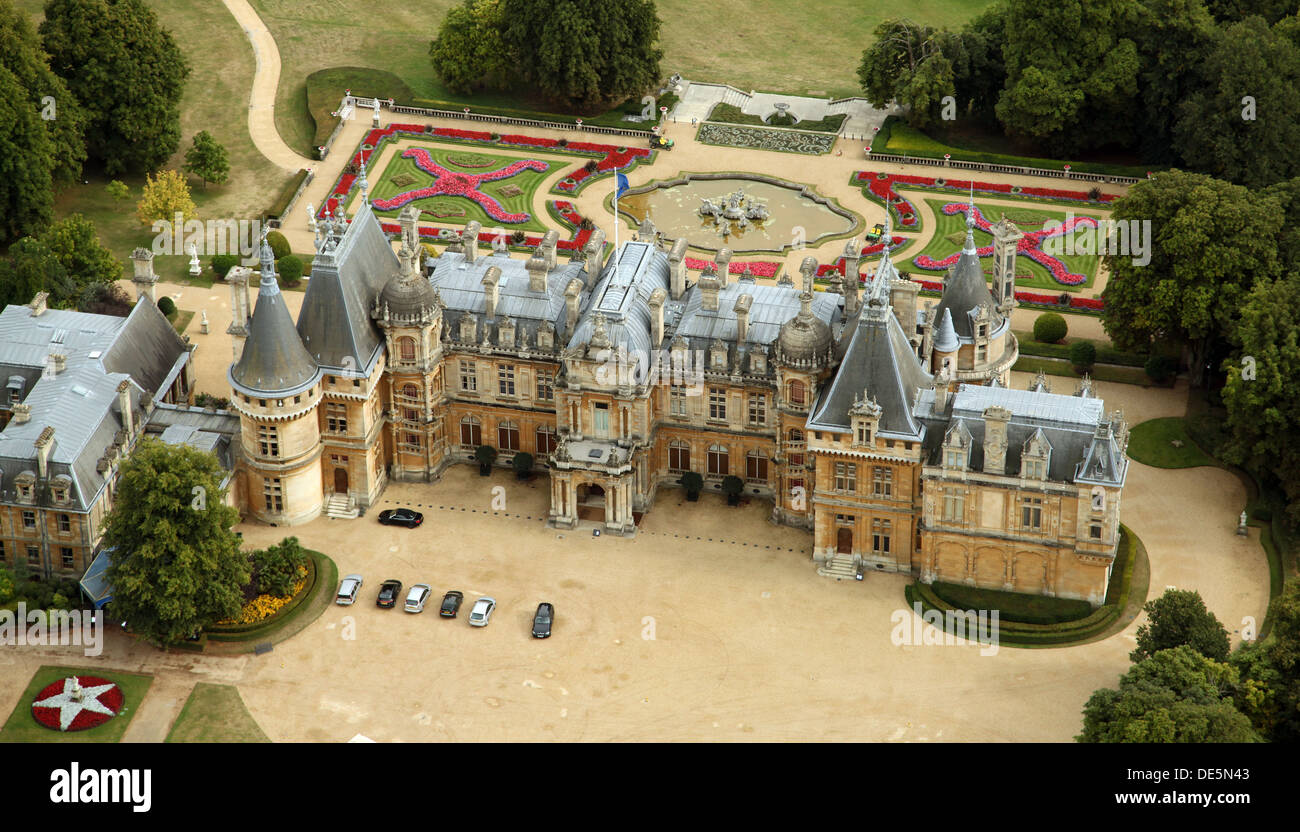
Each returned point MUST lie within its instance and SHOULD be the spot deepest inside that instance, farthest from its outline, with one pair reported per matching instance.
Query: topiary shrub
(1160, 368)
(289, 268)
(486, 455)
(693, 483)
(733, 486)
(523, 465)
(1083, 355)
(279, 244)
(167, 306)
(591, 166)
(1050, 328)
(223, 263)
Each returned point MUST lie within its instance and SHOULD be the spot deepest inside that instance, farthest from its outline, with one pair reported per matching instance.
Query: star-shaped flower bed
(1030, 246)
(77, 703)
(450, 183)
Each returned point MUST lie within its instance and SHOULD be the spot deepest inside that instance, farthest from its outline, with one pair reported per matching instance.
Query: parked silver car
(348, 590)
(416, 597)
(482, 612)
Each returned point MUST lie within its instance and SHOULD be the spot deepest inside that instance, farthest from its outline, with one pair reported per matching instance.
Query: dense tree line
(1212, 86)
(578, 54)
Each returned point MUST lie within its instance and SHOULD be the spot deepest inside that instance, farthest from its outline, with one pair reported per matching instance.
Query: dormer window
(26, 483)
(864, 433)
(1035, 457)
(954, 458)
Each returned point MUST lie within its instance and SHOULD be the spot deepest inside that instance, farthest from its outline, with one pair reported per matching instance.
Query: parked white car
(348, 589)
(482, 612)
(416, 597)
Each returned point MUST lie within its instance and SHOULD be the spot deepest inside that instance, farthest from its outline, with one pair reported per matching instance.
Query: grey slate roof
(772, 307)
(622, 296)
(274, 361)
(461, 288)
(879, 362)
(964, 291)
(334, 323)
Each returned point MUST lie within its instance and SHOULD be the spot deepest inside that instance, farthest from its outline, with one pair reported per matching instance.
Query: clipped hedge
(1050, 328)
(281, 204)
(1013, 606)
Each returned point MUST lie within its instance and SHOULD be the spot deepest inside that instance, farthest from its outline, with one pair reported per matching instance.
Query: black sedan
(401, 517)
(542, 620)
(451, 604)
(388, 593)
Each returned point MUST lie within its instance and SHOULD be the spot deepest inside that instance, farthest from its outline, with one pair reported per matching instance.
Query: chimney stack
(572, 294)
(44, 444)
(995, 439)
(941, 381)
(723, 261)
(22, 413)
(677, 268)
(851, 280)
(547, 249)
(742, 317)
(709, 285)
(39, 304)
(124, 405)
(657, 298)
(144, 278)
(237, 277)
(57, 362)
(491, 293)
(536, 267)
(469, 241)
(594, 252)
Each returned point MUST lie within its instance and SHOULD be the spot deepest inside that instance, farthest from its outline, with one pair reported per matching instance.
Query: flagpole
(616, 217)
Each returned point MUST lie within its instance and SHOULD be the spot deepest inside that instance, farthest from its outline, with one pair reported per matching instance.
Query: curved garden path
(261, 99)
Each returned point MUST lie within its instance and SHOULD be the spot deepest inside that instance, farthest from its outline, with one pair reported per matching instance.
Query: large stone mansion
(888, 430)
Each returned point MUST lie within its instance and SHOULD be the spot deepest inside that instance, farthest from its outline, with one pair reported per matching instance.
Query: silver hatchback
(348, 589)
(482, 612)
(417, 597)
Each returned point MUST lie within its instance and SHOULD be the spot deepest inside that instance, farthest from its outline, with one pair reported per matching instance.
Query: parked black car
(388, 592)
(542, 620)
(451, 604)
(401, 517)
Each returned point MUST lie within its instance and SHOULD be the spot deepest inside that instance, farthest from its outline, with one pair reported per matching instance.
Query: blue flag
(622, 185)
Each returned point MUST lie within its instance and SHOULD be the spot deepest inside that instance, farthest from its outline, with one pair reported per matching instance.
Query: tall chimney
(547, 249)
(902, 296)
(22, 413)
(657, 298)
(572, 294)
(851, 279)
(44, 444)
(995, 439)
(708, 286)
(237, 277)
(742, 317)
(941, 381)
(723, 261)
(677, 268)
(39, 304)
(536, 267)
(124, 405)
(491, 280)
(469, 241)
(144, 278)
(594, 252)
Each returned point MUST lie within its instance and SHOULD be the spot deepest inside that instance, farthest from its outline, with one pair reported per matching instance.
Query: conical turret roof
(965, 290)
(274, 361)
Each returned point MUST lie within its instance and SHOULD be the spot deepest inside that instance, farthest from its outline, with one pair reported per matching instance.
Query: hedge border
(247, 632)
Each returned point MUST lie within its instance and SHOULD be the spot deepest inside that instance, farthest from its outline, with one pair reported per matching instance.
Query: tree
(1173, 37)
(6, 585)
(733, 486)
(486, 456)
(61, 116)
(163, 196)
(128, 74)
(289, 268)
(167, 306)
(223, 263)
(1082, 355)
(906, 64)
(27, 164)
(1233, 10)
(1262, 390)
(693, 483)
(1050, 328)
(107, 299)
(470, 51)
(1176, 695)
(584, 54)
(280, 567)
(523, 464)
(76, 245)
(207, 160)
(1242, 126)
(1177, 618)
(1185, 294)
(118, 190)
(279, 244)
(32, 267)
(177, 567)
(1071, 73)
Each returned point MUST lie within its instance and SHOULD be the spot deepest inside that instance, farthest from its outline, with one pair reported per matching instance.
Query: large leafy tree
(905, 63)
(163, 197)
(584, 54)
(27, 164)
(1072, 72)
(22, 54)
(31, 267)
(1244, 124)
(1177, 618)
(1262, 390)
(207, 159)
(177, 566)
(1173, 38)
(77, 247)
(1234, 10)
(1211, 241)
(1177, 695)
(1269, 692)
(470, 51)
(128, 74)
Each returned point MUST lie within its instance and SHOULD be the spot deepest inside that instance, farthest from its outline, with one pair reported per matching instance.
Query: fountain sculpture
(734, 211)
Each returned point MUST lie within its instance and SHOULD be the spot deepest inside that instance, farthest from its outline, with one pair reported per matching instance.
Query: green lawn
(215, 713)
(1100, 372)
(950, 233)
(23, 727)
(401, 174)
(1013, 606)
(1151, 443)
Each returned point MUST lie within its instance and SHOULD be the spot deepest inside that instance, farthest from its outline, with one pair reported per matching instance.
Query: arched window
(471, 432)
(508, 436)
(798, 392)
(410, 391)
(406, 348)
(796, 435)
(679, 456)
(719, 461)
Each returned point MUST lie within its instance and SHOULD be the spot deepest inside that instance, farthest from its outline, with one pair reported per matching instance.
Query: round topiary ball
(279, 244)
(289, 268)
(1083, 355)
(166, 305)
(1050, 328)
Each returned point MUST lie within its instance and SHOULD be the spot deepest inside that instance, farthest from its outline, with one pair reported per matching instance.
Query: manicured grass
(453, 158)
(181, 319)
(728, 114)
(23, 727)
(326, 87)
(1013, 606)
(215, 713)
(1151, 443)
(1031, 218)
(1106, 354)
(1099, 372)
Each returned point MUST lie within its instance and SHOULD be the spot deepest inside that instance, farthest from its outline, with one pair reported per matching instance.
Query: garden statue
(1241, 524)
(311, 218)
(376, 105)
(195, 268)
(203, 322)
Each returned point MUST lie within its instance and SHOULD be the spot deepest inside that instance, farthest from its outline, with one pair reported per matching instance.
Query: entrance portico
(587, 472)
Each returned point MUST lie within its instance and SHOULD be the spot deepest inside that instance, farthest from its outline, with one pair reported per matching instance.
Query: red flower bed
(884, 188)
(527, 141)
(758, 268)
(51, 715)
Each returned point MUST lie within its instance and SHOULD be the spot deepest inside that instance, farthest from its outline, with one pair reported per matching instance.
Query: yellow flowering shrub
(264, 606)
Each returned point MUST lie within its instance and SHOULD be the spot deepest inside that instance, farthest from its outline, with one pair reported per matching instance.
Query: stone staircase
(840, 567)
(339, 507)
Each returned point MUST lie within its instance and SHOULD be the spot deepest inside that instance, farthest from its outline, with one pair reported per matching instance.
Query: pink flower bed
(758, 268)
(1029, 246)
(451, 183)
